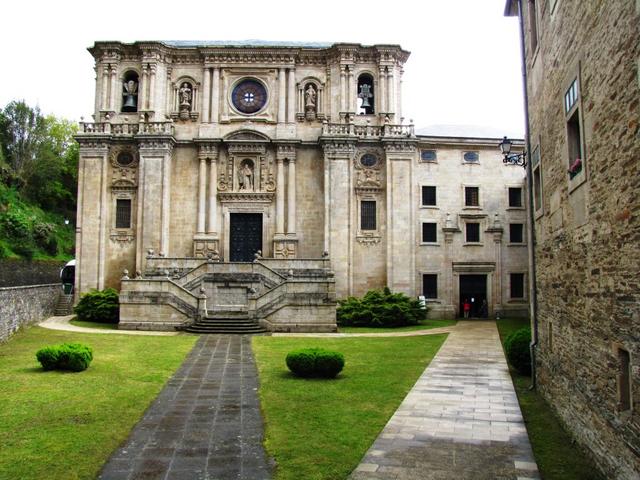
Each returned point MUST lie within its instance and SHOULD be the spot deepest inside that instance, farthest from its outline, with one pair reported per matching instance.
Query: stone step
(206, 329)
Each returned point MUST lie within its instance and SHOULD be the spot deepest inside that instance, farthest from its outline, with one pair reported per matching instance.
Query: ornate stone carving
(122, 237)
(124, 161)
(206, 248)
(368, 167)
(241, 197)
(285, 248)
(400, 146)
(368, 239)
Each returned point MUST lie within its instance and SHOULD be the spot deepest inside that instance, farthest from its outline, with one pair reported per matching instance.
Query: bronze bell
(130, 103)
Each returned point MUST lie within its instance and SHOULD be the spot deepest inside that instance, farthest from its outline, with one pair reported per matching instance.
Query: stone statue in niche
(130, 94)
(186, 97)
(245, 176)
(310, 105)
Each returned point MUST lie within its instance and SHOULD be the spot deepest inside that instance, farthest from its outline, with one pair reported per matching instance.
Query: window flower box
(575, 168)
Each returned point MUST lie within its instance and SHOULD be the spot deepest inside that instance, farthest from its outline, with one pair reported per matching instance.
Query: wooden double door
(245, 236)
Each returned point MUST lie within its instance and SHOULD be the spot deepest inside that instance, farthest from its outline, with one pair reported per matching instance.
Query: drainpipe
(533, 304)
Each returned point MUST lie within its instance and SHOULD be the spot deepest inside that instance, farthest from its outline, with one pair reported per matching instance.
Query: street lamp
(512, 158)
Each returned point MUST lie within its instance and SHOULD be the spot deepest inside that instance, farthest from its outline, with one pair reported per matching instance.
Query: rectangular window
(571, 96)
(472, 196)
(367, 215)
(123, 213)
(472, 232)
(517, 285)
(515, 197)
(430, 285)
(574, 143)
(624, 380)
(516, 233)
(429, 233)
(533, 25)
(428, 196)
(537, 179)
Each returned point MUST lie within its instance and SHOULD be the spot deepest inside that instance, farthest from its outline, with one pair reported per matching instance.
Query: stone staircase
(237, 322)
(64, 305)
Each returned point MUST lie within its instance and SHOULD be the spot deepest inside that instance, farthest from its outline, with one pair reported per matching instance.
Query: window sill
(472, 207)
(516, 244)
(429, 244)
(518, 301)
(517, 209)
(578, 180)
(473, 244)
(538, 213)
(428, 161)
(430, 207)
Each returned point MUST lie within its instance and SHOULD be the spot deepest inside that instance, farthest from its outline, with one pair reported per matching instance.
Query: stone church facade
(225, 175)
(583, 86)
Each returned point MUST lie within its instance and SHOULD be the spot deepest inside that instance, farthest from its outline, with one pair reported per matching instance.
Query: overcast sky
(464, 67)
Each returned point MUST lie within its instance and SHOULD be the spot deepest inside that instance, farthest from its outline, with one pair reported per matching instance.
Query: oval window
(125, 158)
(428, 155)
(471, 156)
(368, 160)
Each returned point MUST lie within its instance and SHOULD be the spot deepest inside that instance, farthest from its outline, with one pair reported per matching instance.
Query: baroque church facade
(273, 179)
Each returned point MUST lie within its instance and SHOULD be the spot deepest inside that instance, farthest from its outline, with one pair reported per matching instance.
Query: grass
(58, 425)
(558, 457)
(320, 429)
(423, 325)
(102, 326)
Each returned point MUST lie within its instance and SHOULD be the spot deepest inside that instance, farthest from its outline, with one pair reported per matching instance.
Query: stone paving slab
(62, 323)
(461, 420)
(204, 425)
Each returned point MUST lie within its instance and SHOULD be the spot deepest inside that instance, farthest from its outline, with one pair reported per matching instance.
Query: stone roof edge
(474, 141)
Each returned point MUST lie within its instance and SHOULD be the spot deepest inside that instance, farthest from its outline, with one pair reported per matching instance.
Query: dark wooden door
(474, 289)
(245, 237)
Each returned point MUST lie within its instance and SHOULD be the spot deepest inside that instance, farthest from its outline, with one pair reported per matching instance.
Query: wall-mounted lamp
(512, 158)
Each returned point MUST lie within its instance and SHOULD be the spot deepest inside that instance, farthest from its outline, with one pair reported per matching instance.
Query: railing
(125, 128)
(129, 289)
(366, 131)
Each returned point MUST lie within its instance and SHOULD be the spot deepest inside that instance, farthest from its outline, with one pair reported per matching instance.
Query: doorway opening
(474, 289)
(245, 236)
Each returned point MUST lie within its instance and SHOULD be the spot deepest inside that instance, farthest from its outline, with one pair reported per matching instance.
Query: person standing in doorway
(466, 307)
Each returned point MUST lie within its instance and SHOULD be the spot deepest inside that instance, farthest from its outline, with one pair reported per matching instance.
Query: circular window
(249, 96)
(125, 158)
(368, 160)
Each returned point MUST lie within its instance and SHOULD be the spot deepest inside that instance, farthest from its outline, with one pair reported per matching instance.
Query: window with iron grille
(517, 285)
(515, 197)
(471, 196)
(429, 233)
(123, 213)
(367, 215)
(428, 196)
(473, 232)
(516, 234)
(430, 285)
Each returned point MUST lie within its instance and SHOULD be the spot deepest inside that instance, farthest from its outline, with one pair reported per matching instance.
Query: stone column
(343, 88)
(382, 90)
(106, 79)
(142, 89)
(282, 92)
(212, 224)
(280, 196)
(202, 186)
(495, 303)
(152, 89)
(291, 198)
(116, 89)
(291, 97)
(215, 96)
(392, 92)
(205, 95)
(351, 95)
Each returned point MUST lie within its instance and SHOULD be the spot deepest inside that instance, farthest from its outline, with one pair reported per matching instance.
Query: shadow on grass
(290, 376)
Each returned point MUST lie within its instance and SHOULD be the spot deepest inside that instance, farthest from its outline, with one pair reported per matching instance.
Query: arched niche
(184, 98)
(130, 91)
(311, 103)
(366, 94)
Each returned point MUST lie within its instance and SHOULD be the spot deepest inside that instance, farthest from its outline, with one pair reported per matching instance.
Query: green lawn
(320, 429)
(102, 326)
(557, 456)
(57, 425)
(423, 325)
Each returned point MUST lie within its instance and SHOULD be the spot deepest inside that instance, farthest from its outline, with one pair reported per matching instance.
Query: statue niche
(310, 102)
(246, 176)
(186, 98)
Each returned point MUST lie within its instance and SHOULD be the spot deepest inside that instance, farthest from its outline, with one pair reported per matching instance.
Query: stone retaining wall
(22, 306)
(21, 272)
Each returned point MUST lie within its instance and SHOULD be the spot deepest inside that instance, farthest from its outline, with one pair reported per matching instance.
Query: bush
(380, 309)
(516, 347)
(67, 356)
(315, 362)
(99, 306)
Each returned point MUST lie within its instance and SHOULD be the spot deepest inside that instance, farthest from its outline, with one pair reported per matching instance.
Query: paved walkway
(461, 420)
(204, 425)
(62, 323)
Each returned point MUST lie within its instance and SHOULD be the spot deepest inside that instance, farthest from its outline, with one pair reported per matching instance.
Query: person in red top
(466, 307)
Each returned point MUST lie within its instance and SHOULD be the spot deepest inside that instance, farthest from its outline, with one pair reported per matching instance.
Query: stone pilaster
(400, 225)
(206, 92)
(291, 96)
(282, 94)
(339, 230)
(495, 304)
(215, 96)
(285, 246)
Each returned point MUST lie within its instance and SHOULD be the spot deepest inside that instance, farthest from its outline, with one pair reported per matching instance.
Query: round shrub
(315, 362)
(66, 356)
(516, 347)
(99, 306)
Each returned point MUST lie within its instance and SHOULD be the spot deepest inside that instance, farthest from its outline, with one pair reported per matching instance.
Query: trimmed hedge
(516, 346)
(99, 306)
(380, 308)
(66, 356)
(315, 362)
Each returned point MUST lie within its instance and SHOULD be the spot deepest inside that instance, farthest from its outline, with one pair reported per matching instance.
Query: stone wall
(23, 306)
(15, 273)
(588, 227)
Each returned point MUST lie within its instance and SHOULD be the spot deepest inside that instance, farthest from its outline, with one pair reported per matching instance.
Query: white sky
(464, 66)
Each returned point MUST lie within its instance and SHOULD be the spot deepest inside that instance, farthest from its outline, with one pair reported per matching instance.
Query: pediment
(246, 136)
